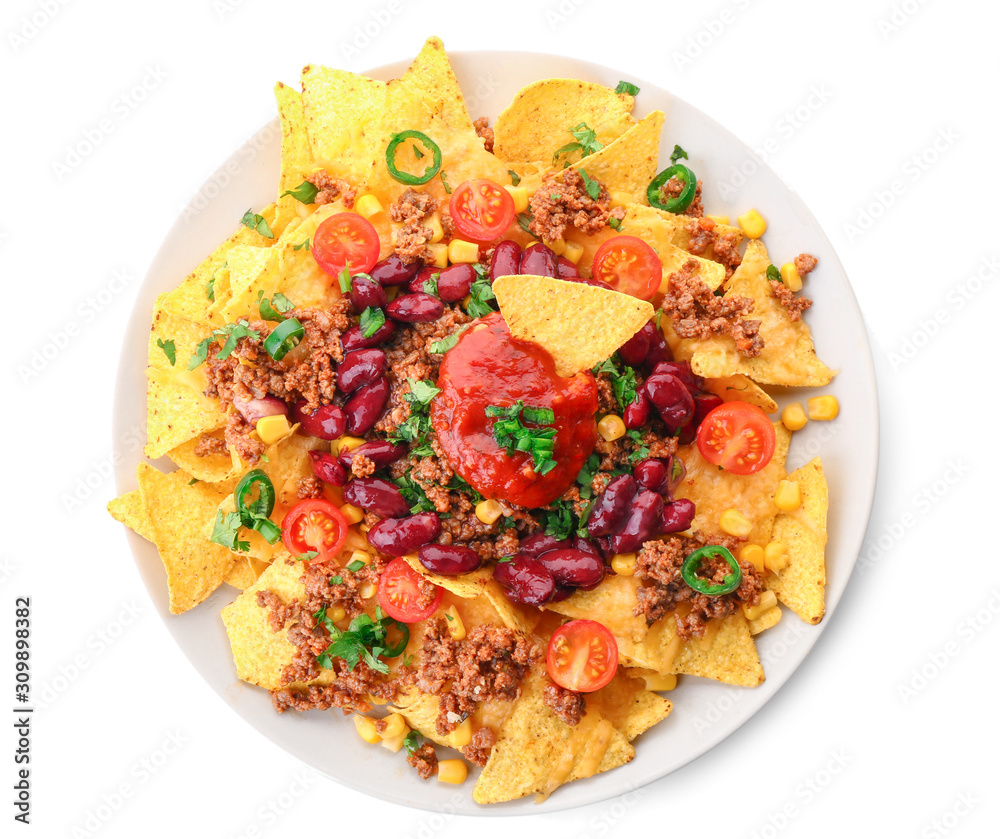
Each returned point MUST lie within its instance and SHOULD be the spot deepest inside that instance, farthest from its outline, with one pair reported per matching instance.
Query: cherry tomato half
(629, 265)
(737, 436)
(481, 209)
(400, 596)
(582, 656)
(345, 240)
(314, 525)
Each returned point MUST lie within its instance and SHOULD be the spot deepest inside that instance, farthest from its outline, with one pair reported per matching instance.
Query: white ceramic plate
(705, 712)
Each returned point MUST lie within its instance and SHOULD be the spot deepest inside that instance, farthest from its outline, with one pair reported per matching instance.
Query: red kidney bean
(561, 593)
(538, 259)
(651, 474)
(506, 259)
(423, 275)
(670, 398)
(703, 403)
(526, 580)
(419, 307)
(380, 452)
(378, 496)
(573, 568)
(365, 406)
(353, 339)
(633, 352)
(677, 516)
(682, 370)
(566, 270)
(611, 506)
(456, 281)
(327, 469)
(659, 350)
(361, 367)
(587, 546)
(328, 422)
(539, 543)
(255, 409)
(405, 535)
(393, 271)
(643, 523)
(604, 545)
(636, 413)
(366, 293)
(449, 560)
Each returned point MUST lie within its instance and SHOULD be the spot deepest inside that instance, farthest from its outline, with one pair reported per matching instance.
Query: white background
(889, 728)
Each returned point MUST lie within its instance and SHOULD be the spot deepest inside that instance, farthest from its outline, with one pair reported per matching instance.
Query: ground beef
(562, 200)
(568, 705)
(805, 263)
(795, 305)
(704, 239)
(424, 760)
(349, 691)
(208, 445)
(310, 487)
(240, 437)
(489, 664)
(674, 187)
(658, 566)
(413, 237)
(330, 189)
(697, 312)
(362, 467)
(479, 748)
(484, 132)
(606, 401)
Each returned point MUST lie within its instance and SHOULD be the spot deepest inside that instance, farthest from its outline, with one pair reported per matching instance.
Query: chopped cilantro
(444, 181)
(365, 639)
(210, 285)
(305, 243)
(226, 531)
(586, 142)
(422, 391)
(412, 740)
(308, 555)
(414, 495)
(371, 321)
(515, 178)
(627, 87)
(445, 344)
(275, 308)
(169, 350)
(480, 298)
(642, 450)
(355, 566)
(592, 186)
(337, 580)
(256, 222)
(305, 192)
(512, 434)
(614, 223)
(417, 426)
(586, 476)
(344, 279)
(431, 283)
(232, 332)
(622, 381)
(773, 273)
(524, 221)
(677, 154)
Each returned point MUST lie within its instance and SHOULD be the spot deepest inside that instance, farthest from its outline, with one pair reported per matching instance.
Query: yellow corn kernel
(775, 556)
(611, 427)
(558, 246)
(793, 417)
(462, 735)
(366, 728)
(718, 219)
(790, 276)
(439, 254)
(395, 726)
(767, 601)
(488, 511)
(345, 443)
(273, 428)
(574, 250)
(367, 590)
(456, 629)
(787, 496)
(336, 613)
(462, 251)
(352, 514)
(360, 556)
(520, 196)
(368, 206)
(434, 223)
(466, 301)
(620, 199)
(735, 523)
(754, 554)
(376, 700)
(623, 564)
(393, 744)
(752, 224)
(356, 540)
(452, 771)
(823, 407)
(660, 681)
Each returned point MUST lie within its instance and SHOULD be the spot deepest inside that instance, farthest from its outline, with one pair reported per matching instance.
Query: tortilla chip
(679, 227)
(537, 122)
(772, 617)
(738, 388)
(732, 658)
(629, 163)
(213, 468)
(800, 585)
(177, 512)
(580, 325)
(243, 574)
(130, 510)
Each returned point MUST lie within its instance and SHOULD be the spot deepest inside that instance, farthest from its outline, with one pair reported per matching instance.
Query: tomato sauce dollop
(490, 367)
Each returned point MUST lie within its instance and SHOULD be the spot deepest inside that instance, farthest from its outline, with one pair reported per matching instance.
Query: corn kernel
(754, 554)
(392, 292)
(434, 223)
(787, 496)
(660, 681)
(718, 219)
(767, 601)
(620, 198)
(456, 629)
(462, 735)
(574, 250)
(352, 514)
(611, 427)
(790, 276)
(466, 301)
(462, 251)
(775, 556)
(453, 771)
(823, 407)
(488, 511)
(345, 443)
(367, 590)
(752, 224)
(439, 254)
(366, 728)
(395, 726)
(376, 700)
(793, 417)
(558, 246)
(355, 540)
(393, 744)
(336, 613)
(368, 206)
(623, 564)
(273, 428)
(360, 556)
(735, 523)
(520, 196)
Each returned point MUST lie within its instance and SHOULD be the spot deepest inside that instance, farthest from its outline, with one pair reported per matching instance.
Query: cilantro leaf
(275, 308)
(305, 192)
(255, 221)
(412, 740)
(773, 273)
(371, 321)
(512, 434)
(232, 332)
(365, 639)
(622, 380)
(226, 532)
(444, 181)
(480, 298)
(586, 142)
(627, 87)
(169, 350)
(614, 223)
(515, 178)
(524, 221)
(445, 344)
(422, 391)
(305, 243)
(677, 154)
(210, 285)
(642, 450)
(592, 186)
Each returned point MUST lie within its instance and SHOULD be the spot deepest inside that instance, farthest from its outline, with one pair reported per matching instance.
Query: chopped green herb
(365, 639)
(169, 350)
(622, 379)
(305, 557)
(445, 344)
(412, 740)
(642, 450)
(586, 142)
(515, 178)
(226, 532)
(421, 393)
(614, 223)
(355, 566)
(627, 87)
(232, 332)
(677, 154)
(305, 192)
(210, 285)
(511, 434)
(524, 221)
(256, 222)
(337, 580)
(193, 481)
(592, 186)
(444, 181)
(371, 321)
(344, 278)
(431, 283)
(480, 299)
(773, 273)
(275, 308)
(305, 243)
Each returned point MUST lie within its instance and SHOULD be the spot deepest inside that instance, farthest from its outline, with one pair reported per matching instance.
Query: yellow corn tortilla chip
(732, 658)
(800, 585)
(772, 617)
(244, 573)
(130, 510)
(537, 122)
(214, 468)
(580, 325)
(677, 228)
(628, 164)
(177, 511)
(738, 388)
